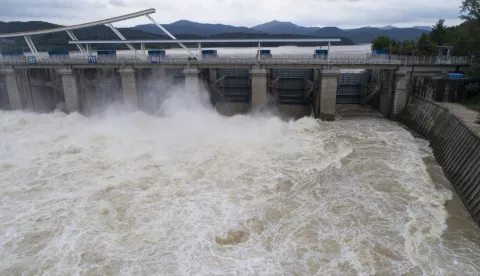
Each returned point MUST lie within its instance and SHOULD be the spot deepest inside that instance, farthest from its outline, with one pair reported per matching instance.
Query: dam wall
(293, 90)
(232, 91)
(439, 89)
(455, 146)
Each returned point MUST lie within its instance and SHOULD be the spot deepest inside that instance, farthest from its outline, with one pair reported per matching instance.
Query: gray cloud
(56, 11)
(342, 13)
(119, 3)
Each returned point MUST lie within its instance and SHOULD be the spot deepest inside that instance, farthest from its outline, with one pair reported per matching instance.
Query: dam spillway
(194, 192)
(91, 184)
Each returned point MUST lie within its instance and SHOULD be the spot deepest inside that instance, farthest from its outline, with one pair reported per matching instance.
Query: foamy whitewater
(195, 193)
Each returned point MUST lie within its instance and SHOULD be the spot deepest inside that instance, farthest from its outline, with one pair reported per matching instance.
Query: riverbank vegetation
(464, 38)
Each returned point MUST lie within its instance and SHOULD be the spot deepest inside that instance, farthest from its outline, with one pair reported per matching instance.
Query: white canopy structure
(107, 22)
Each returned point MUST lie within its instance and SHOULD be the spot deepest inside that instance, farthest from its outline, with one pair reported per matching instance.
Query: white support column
(89, 49)
(191, 78)
(129, 86)
(119, 34)
(144, 52)
(80, 47)
(169, 34)
(70, 89)
(328, 94)
(259, 87)
(32, 47)
(12, 89)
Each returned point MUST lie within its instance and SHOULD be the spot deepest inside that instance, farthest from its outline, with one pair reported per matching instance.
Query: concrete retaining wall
(384, 99)
(455, 146)
(439, 89)
(4, 100)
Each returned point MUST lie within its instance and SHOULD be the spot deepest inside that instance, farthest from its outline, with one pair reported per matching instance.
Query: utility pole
(416, 46)
(390, 51)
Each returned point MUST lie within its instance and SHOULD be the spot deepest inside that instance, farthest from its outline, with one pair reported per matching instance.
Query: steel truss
(374, 87)
(106, 22)
(310, 86)
(220, 86)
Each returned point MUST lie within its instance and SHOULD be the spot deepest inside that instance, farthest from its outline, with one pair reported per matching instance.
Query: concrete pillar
(191, 78)
(70, 89)
(129, 87)
(328, 94)
(149, 83)
(386, 95)
(400, 93)
(212, 77)
(12, 89)
(316, 94)
(259, 87)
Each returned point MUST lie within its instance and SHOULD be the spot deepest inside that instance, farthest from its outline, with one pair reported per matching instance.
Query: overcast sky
(341, 13)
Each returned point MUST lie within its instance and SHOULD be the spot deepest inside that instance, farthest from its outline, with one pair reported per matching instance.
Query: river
(196, 193)
(343, 51)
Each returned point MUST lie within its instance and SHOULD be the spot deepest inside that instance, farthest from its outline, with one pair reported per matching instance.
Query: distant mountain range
(59, 41)
(359, 35)
(425, 28)
(194, 28)
(184, 29)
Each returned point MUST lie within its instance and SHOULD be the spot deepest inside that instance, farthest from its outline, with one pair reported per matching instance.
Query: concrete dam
(172, 187)
(176, 170)
(314, 86)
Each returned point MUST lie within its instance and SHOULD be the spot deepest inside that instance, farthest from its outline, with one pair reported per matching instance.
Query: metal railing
(331, 59)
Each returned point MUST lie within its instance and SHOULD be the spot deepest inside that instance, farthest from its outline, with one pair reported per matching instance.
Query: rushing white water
(195, 193)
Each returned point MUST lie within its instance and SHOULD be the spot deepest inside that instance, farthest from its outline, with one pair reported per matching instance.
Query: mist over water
(191, 192)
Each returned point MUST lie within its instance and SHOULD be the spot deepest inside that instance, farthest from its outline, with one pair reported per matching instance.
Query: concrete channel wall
(455, 146)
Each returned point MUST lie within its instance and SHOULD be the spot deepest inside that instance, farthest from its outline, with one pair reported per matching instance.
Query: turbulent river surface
(193, 193)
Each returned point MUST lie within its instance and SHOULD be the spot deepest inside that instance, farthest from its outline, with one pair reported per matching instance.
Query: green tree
(465, 38)
(381, 43)
(425, 46)
(470, 10)
(473, 71)
(439, 32)
(408, 47)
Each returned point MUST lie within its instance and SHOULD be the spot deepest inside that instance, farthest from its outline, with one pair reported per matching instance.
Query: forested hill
(357, 35)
